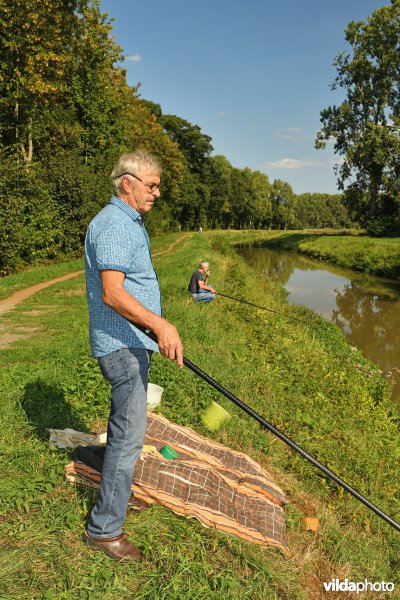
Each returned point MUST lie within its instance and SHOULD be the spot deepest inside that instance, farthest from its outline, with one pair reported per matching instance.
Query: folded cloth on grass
(70, 438)
(222, 488)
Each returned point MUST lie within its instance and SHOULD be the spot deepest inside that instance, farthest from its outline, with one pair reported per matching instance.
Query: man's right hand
(169, 342)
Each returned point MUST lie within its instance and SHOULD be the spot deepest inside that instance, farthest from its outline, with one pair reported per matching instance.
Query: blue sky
(253, 75)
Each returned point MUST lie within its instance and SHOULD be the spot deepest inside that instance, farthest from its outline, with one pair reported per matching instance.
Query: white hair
(132, 163)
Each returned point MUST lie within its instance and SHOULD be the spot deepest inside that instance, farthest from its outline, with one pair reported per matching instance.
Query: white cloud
(291, 133)
(223, 114)
(293, 163)
(134, 58)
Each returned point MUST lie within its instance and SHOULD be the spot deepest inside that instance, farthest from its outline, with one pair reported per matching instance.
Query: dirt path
(169, 249)
(12, 301)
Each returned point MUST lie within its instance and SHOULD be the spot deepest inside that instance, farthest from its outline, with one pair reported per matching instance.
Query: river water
(366, 308)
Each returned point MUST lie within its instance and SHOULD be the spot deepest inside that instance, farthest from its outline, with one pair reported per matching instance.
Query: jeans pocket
(109, 366)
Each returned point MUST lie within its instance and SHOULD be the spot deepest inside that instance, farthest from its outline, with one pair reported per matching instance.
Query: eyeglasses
(151, 187)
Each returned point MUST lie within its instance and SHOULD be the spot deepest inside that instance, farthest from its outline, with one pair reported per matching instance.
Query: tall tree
(96, 85)
(217, 174)
(194, 145)
(365, 127)
(320, 211)
(282, 199)
(35, 53)
(261, 206)
(242, 196)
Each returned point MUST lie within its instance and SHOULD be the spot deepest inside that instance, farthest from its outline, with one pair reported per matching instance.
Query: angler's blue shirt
(117, 239)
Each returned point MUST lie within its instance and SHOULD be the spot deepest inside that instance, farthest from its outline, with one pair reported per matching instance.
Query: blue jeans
(127, 371)
(205, 296)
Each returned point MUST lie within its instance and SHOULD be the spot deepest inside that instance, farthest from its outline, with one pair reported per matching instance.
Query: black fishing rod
(247, 409)
(265, 308)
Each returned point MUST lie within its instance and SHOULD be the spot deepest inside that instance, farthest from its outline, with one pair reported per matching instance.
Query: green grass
(305, 380)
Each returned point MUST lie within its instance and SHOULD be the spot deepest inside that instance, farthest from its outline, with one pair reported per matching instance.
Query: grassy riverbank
(377, 256)
(305, 379)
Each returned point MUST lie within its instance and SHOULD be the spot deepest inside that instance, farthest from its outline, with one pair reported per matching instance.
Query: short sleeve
(114, 248)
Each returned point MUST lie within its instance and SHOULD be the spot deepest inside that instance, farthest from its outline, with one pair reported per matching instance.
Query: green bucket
(214, 416)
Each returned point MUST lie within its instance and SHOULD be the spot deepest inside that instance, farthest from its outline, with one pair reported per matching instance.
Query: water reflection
(366, 308)
(372, 323)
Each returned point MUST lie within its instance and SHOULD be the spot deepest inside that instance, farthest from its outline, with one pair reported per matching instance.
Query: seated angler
(198, 285)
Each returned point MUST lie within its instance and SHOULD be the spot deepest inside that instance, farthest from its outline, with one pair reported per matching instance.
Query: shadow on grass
(288, 241)
(46, 408)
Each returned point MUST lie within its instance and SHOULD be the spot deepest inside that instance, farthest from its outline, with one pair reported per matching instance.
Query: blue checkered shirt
(117, 239)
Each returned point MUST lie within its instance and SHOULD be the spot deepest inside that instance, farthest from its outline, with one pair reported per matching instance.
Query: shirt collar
(131, 212)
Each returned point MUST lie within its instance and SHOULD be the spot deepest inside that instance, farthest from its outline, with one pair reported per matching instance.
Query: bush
(383, 226)
(13, 236)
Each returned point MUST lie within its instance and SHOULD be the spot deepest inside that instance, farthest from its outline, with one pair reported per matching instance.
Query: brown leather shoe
(117, 548)
(137, 504)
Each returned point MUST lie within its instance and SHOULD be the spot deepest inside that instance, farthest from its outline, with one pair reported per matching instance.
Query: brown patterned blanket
(222, 488)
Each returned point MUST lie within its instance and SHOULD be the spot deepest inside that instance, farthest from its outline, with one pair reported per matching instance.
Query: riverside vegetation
(305, 379)
(377, 256)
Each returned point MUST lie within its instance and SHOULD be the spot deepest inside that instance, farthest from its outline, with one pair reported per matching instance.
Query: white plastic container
(154, 393)
(101, 439)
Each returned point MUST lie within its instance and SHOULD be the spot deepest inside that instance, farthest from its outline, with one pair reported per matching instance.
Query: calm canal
(366, 308)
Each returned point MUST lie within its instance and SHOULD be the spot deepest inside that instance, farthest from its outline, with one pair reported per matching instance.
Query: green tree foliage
(141, 128)
(194, 145)
(217, 173)
(261, 205)
(12, 203)
(213, 193)
(97, 87)
(365, 127)
(250, 199)
(78, 193)
(35, 54)
(192, 200)
(316, 211)
(66, 115)
(282, 199)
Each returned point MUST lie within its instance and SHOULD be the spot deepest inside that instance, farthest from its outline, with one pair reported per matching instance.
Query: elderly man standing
(122, 289)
